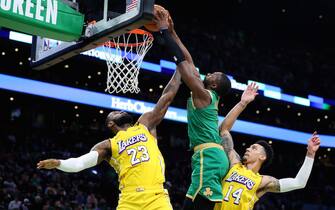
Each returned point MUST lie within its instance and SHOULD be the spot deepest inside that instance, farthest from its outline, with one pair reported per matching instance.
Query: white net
(124, 55)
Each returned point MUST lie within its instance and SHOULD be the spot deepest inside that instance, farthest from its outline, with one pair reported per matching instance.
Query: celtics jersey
(239, 189)
(203, 122)
(136, 158)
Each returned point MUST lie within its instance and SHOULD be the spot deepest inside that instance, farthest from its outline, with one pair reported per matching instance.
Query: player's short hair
(223, 86)
(268, 151)
(126, 119)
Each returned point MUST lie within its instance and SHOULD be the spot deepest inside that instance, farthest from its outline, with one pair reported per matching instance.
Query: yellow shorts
(144, 198)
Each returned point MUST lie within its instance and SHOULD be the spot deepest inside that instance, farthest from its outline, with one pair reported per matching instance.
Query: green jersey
(203, 122)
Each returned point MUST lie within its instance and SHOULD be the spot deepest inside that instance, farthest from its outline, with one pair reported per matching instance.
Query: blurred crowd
(245, 54)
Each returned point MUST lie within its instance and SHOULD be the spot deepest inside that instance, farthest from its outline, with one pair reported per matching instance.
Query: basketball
(152, 25)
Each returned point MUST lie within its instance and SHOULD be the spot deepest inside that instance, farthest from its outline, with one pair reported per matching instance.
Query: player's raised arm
(248, 96)
(98, 153)
(228, 145)
(271, 184)
(153, 118)
(186, 53)
(190, 76)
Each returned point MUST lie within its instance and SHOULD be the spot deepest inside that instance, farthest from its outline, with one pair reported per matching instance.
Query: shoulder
(104, 149)
(269, 184)
(265, 180)
(238, 166)
(151, 132)
(235, 167)
(105, 144)
(201, 99)
(138, 125)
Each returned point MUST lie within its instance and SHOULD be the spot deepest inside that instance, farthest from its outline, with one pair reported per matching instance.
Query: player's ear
(262, 157)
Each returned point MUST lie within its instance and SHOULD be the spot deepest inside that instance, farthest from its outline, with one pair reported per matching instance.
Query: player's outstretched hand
(48, 164)
(250, 93)
(313, 143)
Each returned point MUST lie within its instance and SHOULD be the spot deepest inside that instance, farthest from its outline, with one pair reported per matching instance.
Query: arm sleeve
(172, 47)
(73, 165)
(300, 181)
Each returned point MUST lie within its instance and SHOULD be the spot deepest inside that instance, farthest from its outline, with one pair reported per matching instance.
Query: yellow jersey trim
(207, 145)
(201, 173)
(210, 93)
(189, 196)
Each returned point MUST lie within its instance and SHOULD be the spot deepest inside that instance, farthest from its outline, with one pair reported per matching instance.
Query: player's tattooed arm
(268, 184)
(201, 97)
(227, 141)
(248, 96)
(273, 185)
(228, 144)
(152, 118)
(104, 150)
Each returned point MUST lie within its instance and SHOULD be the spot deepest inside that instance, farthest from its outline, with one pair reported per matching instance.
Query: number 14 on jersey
(236, 195)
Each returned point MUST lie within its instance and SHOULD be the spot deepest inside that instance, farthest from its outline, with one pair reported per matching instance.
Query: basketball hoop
(124, 55)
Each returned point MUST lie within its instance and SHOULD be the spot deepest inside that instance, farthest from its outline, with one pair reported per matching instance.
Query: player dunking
(243, 185)
(133, 152)
(209, 161)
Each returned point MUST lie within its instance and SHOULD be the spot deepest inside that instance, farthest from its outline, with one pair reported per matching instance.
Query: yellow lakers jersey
(239, 189)
(136, 158)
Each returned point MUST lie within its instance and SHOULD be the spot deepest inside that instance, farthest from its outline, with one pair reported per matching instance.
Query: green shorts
(209, 167)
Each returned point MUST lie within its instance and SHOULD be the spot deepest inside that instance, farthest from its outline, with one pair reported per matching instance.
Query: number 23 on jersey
(138, 154)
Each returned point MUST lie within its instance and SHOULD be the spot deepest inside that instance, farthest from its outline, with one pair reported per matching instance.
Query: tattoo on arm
(174, 84)
(237, 156)
(152, 118)
(273, 185)
(228, 144)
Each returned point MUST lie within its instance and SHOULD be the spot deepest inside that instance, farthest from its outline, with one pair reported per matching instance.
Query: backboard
(47, 52)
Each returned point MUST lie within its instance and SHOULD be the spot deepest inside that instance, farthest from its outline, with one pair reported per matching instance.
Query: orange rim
(135, 31)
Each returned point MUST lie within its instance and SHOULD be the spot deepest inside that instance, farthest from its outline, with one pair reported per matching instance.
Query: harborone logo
(235, 177)
(31, 10)
(123, 144)
(142, 107)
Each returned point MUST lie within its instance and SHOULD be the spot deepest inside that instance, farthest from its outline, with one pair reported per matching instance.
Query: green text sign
(47, 18)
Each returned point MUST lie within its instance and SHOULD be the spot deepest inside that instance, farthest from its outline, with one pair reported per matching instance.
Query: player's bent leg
(215, 168)
(209, 166)
(197, 175)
